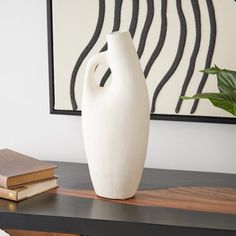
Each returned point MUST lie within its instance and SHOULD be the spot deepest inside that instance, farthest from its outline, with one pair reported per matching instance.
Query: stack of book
(22, 176)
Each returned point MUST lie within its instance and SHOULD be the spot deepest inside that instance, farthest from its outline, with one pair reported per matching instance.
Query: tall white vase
(115, 120)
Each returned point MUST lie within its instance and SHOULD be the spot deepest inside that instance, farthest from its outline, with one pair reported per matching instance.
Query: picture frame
(207, 9)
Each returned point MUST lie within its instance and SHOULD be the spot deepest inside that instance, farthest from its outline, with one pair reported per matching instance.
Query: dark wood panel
(14, 232)
(205, 199)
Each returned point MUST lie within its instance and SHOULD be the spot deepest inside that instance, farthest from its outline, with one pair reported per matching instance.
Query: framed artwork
(175, 39)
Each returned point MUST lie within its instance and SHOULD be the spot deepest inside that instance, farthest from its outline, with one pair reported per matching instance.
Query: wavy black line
(161, 39)
(191, 67)
(85, 52)
(134, 19)
(116, 23)
(146, 27)
(116, 27)
(132, 29)
(211, 48)
(179, 54)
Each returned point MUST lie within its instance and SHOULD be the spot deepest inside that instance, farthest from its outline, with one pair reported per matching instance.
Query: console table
(169, 202)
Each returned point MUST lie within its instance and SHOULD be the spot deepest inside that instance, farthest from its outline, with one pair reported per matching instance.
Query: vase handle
(89, 83)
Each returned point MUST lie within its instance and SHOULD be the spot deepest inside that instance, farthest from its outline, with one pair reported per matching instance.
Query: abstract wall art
(174, 39)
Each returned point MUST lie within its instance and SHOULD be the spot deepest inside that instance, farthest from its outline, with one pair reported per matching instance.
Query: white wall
(27, 126)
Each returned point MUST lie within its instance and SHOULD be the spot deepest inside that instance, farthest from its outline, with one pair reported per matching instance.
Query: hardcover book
(17, 169)
(29, 190)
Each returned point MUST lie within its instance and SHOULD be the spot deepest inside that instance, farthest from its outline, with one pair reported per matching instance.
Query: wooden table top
(169, 202)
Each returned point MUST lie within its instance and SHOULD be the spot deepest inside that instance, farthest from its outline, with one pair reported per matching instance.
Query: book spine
(3, 181)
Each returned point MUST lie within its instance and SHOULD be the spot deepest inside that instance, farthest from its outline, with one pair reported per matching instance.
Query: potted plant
(226, 83)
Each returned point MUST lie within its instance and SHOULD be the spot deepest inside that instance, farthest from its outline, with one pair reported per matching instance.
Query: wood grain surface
(204, 199)
(14, 232)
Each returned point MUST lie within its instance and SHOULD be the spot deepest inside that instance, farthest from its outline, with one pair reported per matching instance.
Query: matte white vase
(115, 120)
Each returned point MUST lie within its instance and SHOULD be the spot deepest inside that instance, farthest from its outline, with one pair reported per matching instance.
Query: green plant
(226, 83)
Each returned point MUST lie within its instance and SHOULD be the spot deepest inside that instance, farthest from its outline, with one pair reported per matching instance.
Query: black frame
(189, 118)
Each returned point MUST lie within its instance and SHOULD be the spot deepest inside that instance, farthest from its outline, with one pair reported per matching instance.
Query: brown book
(28, 190)
(18, 169)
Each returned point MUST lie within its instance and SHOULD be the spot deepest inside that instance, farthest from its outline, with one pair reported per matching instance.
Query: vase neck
(122, 56)
(119, 42)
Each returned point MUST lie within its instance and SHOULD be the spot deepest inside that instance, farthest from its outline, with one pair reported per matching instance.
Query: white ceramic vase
(115, 120)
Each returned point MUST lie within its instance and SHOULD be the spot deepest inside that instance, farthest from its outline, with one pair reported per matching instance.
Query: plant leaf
(213, 70)
(225, 101)
(226, 80)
